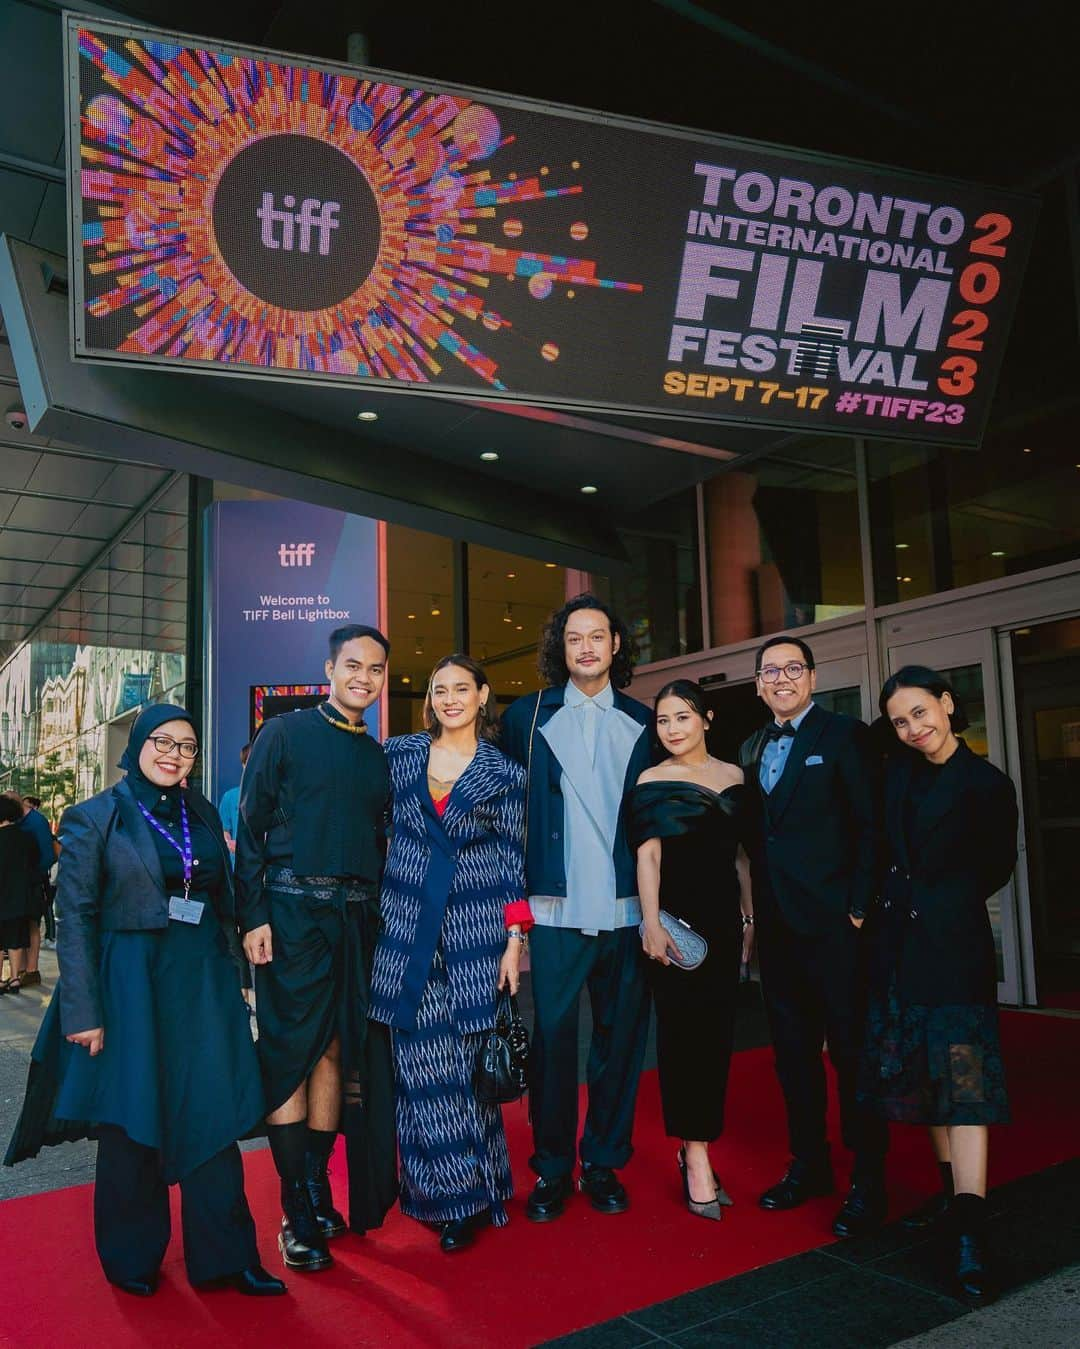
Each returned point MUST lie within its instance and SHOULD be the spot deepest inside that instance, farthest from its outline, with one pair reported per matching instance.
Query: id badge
(183, 910)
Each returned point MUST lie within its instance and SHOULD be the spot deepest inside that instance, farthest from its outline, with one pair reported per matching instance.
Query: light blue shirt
(593, 742)
(774, 756)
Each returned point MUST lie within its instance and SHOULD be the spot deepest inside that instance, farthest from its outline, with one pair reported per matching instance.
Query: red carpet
(525, 1283)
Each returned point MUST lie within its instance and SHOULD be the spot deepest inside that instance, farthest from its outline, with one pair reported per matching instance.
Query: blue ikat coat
(446, 884)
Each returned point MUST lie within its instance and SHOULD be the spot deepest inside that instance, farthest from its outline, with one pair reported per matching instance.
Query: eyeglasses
(795, 669)
(165, 744)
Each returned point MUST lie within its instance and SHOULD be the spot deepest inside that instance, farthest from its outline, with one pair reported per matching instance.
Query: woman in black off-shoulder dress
(683, 821)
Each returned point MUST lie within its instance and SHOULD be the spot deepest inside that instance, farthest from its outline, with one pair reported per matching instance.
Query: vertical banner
(285, 575)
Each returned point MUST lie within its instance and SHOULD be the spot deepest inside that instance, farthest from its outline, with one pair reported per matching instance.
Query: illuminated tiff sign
(236, 211)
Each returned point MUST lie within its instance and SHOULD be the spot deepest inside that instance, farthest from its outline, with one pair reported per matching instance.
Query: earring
(483, 710)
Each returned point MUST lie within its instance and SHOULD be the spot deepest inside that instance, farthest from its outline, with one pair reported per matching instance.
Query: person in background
(454, 925)
(36, 826)
(18, 890)
(812, 832)
(583, 744)
(49, 938)
(146, 1044)
(933, 1051)
(684, 822)
(310, 849)
(229, 809)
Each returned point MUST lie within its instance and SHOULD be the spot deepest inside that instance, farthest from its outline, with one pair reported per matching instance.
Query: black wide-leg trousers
(131, 1213)
(563, 962)
(814, 988)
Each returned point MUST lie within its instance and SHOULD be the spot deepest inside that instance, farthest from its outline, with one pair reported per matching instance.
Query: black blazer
(110, 879)
(814, 841)
(937, 936)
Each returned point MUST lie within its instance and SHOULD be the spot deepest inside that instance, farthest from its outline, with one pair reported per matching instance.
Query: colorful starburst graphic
(163, 123)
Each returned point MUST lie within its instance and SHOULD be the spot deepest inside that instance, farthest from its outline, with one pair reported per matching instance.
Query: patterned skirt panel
(454, 1161)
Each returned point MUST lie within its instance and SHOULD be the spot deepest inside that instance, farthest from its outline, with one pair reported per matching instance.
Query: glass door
(968, 661)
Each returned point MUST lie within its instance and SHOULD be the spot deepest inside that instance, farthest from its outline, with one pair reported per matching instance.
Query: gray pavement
(1044, 1315)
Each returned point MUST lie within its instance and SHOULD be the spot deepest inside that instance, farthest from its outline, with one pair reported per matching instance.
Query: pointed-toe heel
(713, 1209)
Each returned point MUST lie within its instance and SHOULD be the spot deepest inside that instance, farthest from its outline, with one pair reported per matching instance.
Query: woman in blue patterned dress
(454, 924)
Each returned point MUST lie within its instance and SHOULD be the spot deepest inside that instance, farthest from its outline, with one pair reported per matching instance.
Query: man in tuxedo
(812, 837)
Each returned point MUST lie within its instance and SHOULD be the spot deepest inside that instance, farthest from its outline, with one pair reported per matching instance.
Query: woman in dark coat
(19, 885)
(454, 923)
(933, 1049)
(147, 1045)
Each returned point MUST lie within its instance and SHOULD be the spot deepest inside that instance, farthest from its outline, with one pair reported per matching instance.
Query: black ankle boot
(331, 1222)
(300, 1241)
(967, 1214)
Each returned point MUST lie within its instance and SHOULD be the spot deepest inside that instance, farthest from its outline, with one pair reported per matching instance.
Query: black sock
(288, 1143)
(320, 1143)
(946, 1178)
(968, 1212)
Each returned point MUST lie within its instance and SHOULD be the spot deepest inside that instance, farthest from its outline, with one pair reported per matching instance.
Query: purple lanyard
(185, 851)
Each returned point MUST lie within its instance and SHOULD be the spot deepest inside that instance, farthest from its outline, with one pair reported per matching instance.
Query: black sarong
(316, 987)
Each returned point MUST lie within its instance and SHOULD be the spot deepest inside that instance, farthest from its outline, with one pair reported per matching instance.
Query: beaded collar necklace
(359, 729)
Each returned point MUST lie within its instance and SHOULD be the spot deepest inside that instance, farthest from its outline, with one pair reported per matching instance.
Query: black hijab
(146, 724)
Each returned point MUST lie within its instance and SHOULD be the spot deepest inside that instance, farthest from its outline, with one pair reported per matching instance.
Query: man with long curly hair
(583, 743)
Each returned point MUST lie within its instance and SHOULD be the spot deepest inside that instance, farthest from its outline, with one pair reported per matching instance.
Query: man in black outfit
(812, 837)
(309, 855)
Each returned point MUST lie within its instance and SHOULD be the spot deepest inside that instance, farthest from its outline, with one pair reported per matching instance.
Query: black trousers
(131, 1213)
(610, 965)
(815, 993)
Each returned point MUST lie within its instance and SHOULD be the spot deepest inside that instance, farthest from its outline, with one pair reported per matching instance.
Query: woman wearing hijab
(454, 924)
(147, 1044)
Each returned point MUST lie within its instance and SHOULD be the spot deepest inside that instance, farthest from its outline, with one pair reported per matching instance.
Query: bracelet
(521, 937)
(748, 920)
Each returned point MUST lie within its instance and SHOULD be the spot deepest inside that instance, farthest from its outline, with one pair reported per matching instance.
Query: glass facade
(943, 519)
(659, 595)
(783, 542)
(114, 643)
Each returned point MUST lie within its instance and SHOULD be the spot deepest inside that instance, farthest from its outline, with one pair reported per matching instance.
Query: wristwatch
(519, 936)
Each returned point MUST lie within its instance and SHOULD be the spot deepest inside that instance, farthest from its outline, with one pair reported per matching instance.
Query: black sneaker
(548, 1199)
(606, 1192)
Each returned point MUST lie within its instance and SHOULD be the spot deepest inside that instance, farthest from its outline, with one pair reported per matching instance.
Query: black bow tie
(775, 732)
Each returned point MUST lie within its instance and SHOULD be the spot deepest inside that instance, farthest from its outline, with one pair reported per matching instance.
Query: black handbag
(501, 1074)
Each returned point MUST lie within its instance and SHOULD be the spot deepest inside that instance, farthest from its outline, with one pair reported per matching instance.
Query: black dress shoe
(976, 1283)
(862, 1211)
(300, 1241)
(606, 1192)
(799, 1183)
(331, 1223)
(927, 1215)
(548, 1199)
(253, 1281)
(145, 1287)
(460, 1234)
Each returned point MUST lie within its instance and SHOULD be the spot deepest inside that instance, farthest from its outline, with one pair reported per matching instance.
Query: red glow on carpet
(525, 1283)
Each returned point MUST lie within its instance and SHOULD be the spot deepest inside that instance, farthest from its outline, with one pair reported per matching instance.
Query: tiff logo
(296, 554)
(313, 215)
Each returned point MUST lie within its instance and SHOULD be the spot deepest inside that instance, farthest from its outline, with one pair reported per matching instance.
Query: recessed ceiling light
(1027, 450)
(901, 546)
(489, 456)
(367, 416)
(410, 615)
(435, 610)
(551, 565)
(405, 679)
(998, 552)
(589, 489)
(905, 578)
(511, 575)
(519, 627)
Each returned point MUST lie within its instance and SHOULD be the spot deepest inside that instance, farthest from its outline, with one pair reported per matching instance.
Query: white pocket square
(813, 759)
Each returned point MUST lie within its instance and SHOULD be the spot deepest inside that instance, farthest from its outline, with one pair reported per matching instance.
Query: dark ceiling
(982, 92)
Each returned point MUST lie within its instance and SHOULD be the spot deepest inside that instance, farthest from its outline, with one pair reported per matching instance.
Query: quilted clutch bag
(693, 948)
